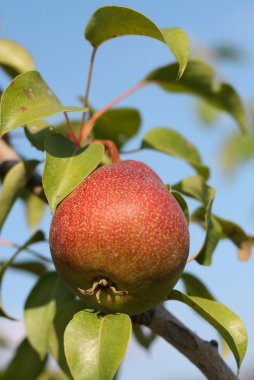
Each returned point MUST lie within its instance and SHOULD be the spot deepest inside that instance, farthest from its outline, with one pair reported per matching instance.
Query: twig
(88, 85)
(7, 243)
(71, 134)
(203, 354)
(89, 125)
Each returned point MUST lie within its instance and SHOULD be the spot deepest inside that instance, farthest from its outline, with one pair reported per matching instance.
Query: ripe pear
(120, 240)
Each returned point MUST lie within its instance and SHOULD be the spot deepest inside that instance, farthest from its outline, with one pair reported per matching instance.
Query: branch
(200, 352)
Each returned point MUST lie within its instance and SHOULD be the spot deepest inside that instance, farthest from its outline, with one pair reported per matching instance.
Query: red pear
(120, 240)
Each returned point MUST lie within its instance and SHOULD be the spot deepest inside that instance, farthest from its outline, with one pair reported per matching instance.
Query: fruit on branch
(120, 240)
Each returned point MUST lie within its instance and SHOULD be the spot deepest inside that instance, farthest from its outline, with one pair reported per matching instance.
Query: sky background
(53, 34)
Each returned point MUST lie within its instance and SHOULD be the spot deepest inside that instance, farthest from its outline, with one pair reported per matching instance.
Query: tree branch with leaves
(56, 320)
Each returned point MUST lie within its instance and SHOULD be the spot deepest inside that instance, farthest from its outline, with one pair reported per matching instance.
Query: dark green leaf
(118, 125)
(95, 345)
(38, 131)
(195, 187)
(145, 339)
(29, 98)
(198, 79)
(229, 52)
(36, 237)
(42, 304)
(113, 21)
(225, 321)
(14, 181)
(15, 57)
(26, 364)
(67, 166)
(56, 336)
(171, 142)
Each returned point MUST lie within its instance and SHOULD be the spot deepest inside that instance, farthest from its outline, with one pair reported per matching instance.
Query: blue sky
(53, 33)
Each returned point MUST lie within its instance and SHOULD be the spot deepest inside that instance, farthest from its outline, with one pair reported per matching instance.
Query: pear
(120, 240)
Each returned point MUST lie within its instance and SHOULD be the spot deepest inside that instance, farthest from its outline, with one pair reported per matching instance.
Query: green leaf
(15, 57)
(35, 238)
(113, 21)
(56, 336)
(35, 209)
(237, 150)
(29, 98)
(182, 203)
(173, 143)
(206, 113)
(118, 125)
(226, 229)
(195, 287)
(38, 131)
(199, 79)
(14, 181)
(25, 365)
(238, 236)
(195, 187)
(52, 375)
(95, 345)
(42, 304)
(67, 166)
(225, 321)
(145, 339)
(33, 267)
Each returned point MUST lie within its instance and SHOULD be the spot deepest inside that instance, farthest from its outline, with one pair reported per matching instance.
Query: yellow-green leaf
(171, 142)
(15, 57)
(67, 166)
(225, 321)
(29, 98)
(95, 344)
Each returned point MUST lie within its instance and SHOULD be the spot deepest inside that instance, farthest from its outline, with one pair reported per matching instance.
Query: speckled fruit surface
(120, 224)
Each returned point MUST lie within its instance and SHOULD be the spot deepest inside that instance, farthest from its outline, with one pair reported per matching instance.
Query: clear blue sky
(53, 33)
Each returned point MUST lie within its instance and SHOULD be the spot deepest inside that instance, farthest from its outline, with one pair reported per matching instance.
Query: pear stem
(111, 148)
